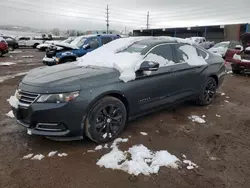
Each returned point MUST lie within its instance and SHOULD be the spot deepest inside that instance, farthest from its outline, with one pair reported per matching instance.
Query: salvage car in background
(3, 47)
(64, 53)
(241, 60)
(202, 42)
(47, 44)
(222, 48)
(234, 48)
(12, 43)
(71, 101)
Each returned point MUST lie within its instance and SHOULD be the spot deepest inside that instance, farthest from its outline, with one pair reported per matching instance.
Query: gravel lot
(221, 146)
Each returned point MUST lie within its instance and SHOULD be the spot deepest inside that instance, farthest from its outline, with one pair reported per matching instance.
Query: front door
(153, 89)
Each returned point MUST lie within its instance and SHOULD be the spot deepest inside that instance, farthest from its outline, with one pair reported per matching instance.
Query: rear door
(187, 77)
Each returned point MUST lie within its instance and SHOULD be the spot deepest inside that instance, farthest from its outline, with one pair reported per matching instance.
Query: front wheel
(208, 92)
(106, 120)
(1, 53)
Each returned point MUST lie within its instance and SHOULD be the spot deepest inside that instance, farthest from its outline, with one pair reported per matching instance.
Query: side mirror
(149, 66)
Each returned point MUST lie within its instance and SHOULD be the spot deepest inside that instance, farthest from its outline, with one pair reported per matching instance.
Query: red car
(233, 48)
(241, 60)
(3, 47)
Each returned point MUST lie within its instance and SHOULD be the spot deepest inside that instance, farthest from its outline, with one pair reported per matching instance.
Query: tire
(208, 92)
(11, 48)
(236, 71)
(1, 53)
(105, 120)
(35, 45)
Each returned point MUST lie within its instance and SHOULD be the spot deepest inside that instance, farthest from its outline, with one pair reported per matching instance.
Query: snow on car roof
(111, 55)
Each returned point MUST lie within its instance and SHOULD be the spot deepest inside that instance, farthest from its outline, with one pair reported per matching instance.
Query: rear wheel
(1, 53)
(35, 45)
(208, 92)
(106, 120)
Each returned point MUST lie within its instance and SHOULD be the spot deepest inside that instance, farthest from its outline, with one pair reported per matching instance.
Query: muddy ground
(221, 146)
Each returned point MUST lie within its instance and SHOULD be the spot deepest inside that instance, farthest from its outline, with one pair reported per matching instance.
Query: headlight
(58, 98)
(237, 57)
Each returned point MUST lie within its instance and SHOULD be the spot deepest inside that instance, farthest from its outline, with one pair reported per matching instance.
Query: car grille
(27, 98)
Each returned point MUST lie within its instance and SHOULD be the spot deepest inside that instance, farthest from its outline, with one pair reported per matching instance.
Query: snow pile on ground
(3, 78)
(7, 63)
(38, 157)
(137, 160)
(62, 154)
(197, 119)
(28, 56)
(13, 101)
(15, 52)
(98, 147)
(28, 156)
(143, 133)
(248, 48)
(10, 114)
(52, 153)
(192, 57)
(112, 55)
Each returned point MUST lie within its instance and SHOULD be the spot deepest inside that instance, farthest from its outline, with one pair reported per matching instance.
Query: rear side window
(162, 54)
(105, 40)
(164, 51)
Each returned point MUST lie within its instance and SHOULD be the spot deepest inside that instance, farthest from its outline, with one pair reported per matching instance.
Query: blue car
(64, 52)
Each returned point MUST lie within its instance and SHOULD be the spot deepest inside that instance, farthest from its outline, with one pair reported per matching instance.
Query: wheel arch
(215, 77)
(116, 94)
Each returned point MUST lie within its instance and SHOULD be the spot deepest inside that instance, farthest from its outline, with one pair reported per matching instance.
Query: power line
(57, 14)
(88, 9)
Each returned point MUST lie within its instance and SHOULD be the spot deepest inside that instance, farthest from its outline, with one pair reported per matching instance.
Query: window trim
(203, 51)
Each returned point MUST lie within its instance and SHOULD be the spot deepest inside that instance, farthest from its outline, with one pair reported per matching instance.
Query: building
(213, 33)
(102, 32)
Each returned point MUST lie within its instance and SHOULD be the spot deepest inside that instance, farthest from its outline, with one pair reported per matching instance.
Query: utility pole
(107, 20)
(148, 20)
(125, 30)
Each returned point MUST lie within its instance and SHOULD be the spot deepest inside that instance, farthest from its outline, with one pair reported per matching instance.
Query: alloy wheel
(210, 91)
(108, 121)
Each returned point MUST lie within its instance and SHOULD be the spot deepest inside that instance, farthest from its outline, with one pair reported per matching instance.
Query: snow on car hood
(66, 45)
(111, 55)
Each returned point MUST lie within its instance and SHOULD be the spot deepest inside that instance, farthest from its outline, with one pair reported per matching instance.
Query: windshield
(79, 41)
(221, 44)
(136, 48)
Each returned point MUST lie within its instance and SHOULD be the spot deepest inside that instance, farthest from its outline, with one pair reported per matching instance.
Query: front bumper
(241, 66)
(53, 120)
(49, 61)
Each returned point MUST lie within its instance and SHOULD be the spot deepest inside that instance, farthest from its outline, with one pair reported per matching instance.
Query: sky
(132, 14)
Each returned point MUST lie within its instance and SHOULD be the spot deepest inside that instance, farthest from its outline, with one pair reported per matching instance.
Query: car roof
(95, 35)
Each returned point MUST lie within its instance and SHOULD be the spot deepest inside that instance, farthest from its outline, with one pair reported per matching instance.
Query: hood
(245, 40)
(66, 45)
(65, 77)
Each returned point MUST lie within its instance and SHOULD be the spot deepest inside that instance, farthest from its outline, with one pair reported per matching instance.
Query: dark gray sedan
(72, 102)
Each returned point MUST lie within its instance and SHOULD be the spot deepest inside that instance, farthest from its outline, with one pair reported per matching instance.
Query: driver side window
(93, 43)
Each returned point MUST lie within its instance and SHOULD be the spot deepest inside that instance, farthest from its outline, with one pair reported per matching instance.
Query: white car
(201, 41)
(30, 41)
(220, 48)
(47, 44)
